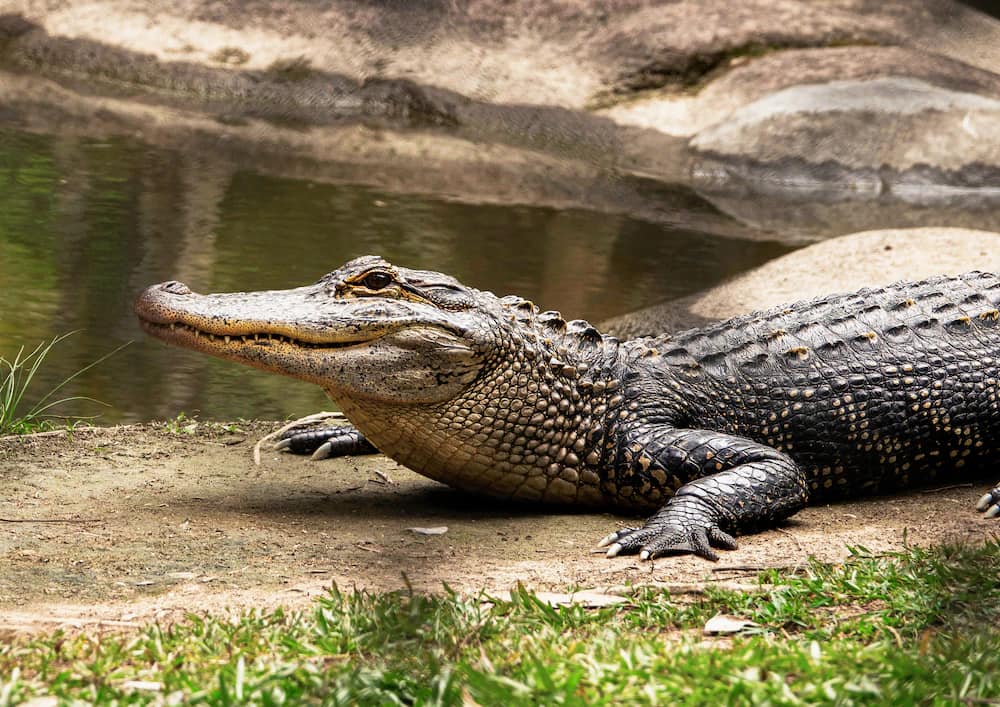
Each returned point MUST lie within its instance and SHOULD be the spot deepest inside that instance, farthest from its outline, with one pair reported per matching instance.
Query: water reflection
(85, 224)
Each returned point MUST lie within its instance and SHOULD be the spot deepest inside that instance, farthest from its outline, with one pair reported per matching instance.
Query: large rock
(892, 102)
(840, 264)
(892, 134)
(743, 80)
(565, 53)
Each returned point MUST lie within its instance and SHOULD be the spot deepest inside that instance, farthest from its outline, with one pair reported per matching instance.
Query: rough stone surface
(809, 216)
(745, 79)
(616, 86)
(837, 265)
(561, 53)
(866, 136)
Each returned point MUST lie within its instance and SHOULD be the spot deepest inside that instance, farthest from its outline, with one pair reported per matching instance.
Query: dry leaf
(725, 624)
(437, 530)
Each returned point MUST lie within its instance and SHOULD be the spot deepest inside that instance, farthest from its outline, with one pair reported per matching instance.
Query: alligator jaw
(260, 329)
(228, 343)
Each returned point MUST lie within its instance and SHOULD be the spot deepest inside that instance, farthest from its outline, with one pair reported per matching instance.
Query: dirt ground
(117, 526)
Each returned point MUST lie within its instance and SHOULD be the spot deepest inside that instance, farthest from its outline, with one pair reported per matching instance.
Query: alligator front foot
(326, 442)
(990, 503)
(685, 525)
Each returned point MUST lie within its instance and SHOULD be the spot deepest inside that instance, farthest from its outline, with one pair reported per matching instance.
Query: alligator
(716, 431)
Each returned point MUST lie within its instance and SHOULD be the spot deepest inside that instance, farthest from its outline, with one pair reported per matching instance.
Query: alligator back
(869, 391)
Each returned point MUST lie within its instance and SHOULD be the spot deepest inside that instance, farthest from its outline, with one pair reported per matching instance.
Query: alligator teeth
(226, 339)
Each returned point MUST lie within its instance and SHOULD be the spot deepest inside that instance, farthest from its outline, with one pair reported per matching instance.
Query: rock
(807, 218)
(744, 80)
(842, 264)
(860, 138)
(567, 53)
(842, 99)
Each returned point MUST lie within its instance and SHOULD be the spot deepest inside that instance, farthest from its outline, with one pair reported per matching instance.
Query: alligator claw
(684, 526)
(614, 537)
(990, 503)
(323, 451)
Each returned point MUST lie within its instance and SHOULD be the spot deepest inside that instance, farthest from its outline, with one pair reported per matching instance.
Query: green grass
(16, 376)
(186, 424)
(920, 627)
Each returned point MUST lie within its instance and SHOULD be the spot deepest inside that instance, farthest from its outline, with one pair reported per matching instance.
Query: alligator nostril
(175, 288)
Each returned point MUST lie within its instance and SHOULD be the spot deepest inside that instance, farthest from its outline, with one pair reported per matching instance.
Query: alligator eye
(377, 280)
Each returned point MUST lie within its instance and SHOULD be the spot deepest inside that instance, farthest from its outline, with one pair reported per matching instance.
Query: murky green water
(85, 224)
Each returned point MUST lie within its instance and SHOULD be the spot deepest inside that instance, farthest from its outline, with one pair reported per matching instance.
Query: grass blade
(15, 378)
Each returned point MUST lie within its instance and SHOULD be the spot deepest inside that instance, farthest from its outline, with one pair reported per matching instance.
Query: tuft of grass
(15, 379)
(186, 424)
(182, 423)
(906, 628)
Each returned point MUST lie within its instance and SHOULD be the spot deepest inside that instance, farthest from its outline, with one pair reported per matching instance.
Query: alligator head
(480, 392)
(370, 330)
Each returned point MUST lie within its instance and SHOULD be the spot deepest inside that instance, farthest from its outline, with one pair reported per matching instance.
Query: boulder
(840, 100)
(895, 135)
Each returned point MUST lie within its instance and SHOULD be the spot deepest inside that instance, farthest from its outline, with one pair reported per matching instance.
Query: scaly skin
(724, 429)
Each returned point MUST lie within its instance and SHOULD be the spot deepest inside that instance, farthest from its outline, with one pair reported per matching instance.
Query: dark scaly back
(825, 333)
(872, 390)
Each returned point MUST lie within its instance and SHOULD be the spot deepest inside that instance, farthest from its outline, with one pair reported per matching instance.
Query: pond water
(86, 223)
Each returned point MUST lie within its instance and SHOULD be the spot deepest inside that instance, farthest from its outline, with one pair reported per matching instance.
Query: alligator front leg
(990, 503)
(326, 442)
(733, 484)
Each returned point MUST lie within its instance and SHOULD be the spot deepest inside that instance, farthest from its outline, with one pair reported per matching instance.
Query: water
(86, 223)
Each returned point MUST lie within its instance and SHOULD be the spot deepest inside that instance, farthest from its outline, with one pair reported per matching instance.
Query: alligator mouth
(179, 332)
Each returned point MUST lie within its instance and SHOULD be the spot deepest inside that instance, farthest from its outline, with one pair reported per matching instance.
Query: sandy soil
(117, 526)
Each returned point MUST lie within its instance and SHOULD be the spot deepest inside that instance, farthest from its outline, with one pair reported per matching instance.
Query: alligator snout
(154, 303)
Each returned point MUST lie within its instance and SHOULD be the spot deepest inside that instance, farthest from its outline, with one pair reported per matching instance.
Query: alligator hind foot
(686, 525)
(990, 503)
(326, 442)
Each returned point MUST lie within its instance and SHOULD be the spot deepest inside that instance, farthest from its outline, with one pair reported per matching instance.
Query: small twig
(895, 634)
(627, 590)
(947, 488)
(23, 621)
(301, 422)
(744, 568)
(794, 539)
(52, 520)
(698, 588)
(50, 433)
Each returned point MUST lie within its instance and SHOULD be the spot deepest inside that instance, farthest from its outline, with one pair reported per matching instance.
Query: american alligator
(719, 430)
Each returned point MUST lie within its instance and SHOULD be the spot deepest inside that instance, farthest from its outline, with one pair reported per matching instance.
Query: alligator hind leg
(734, 485)
(990, 503)
(326, 442)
